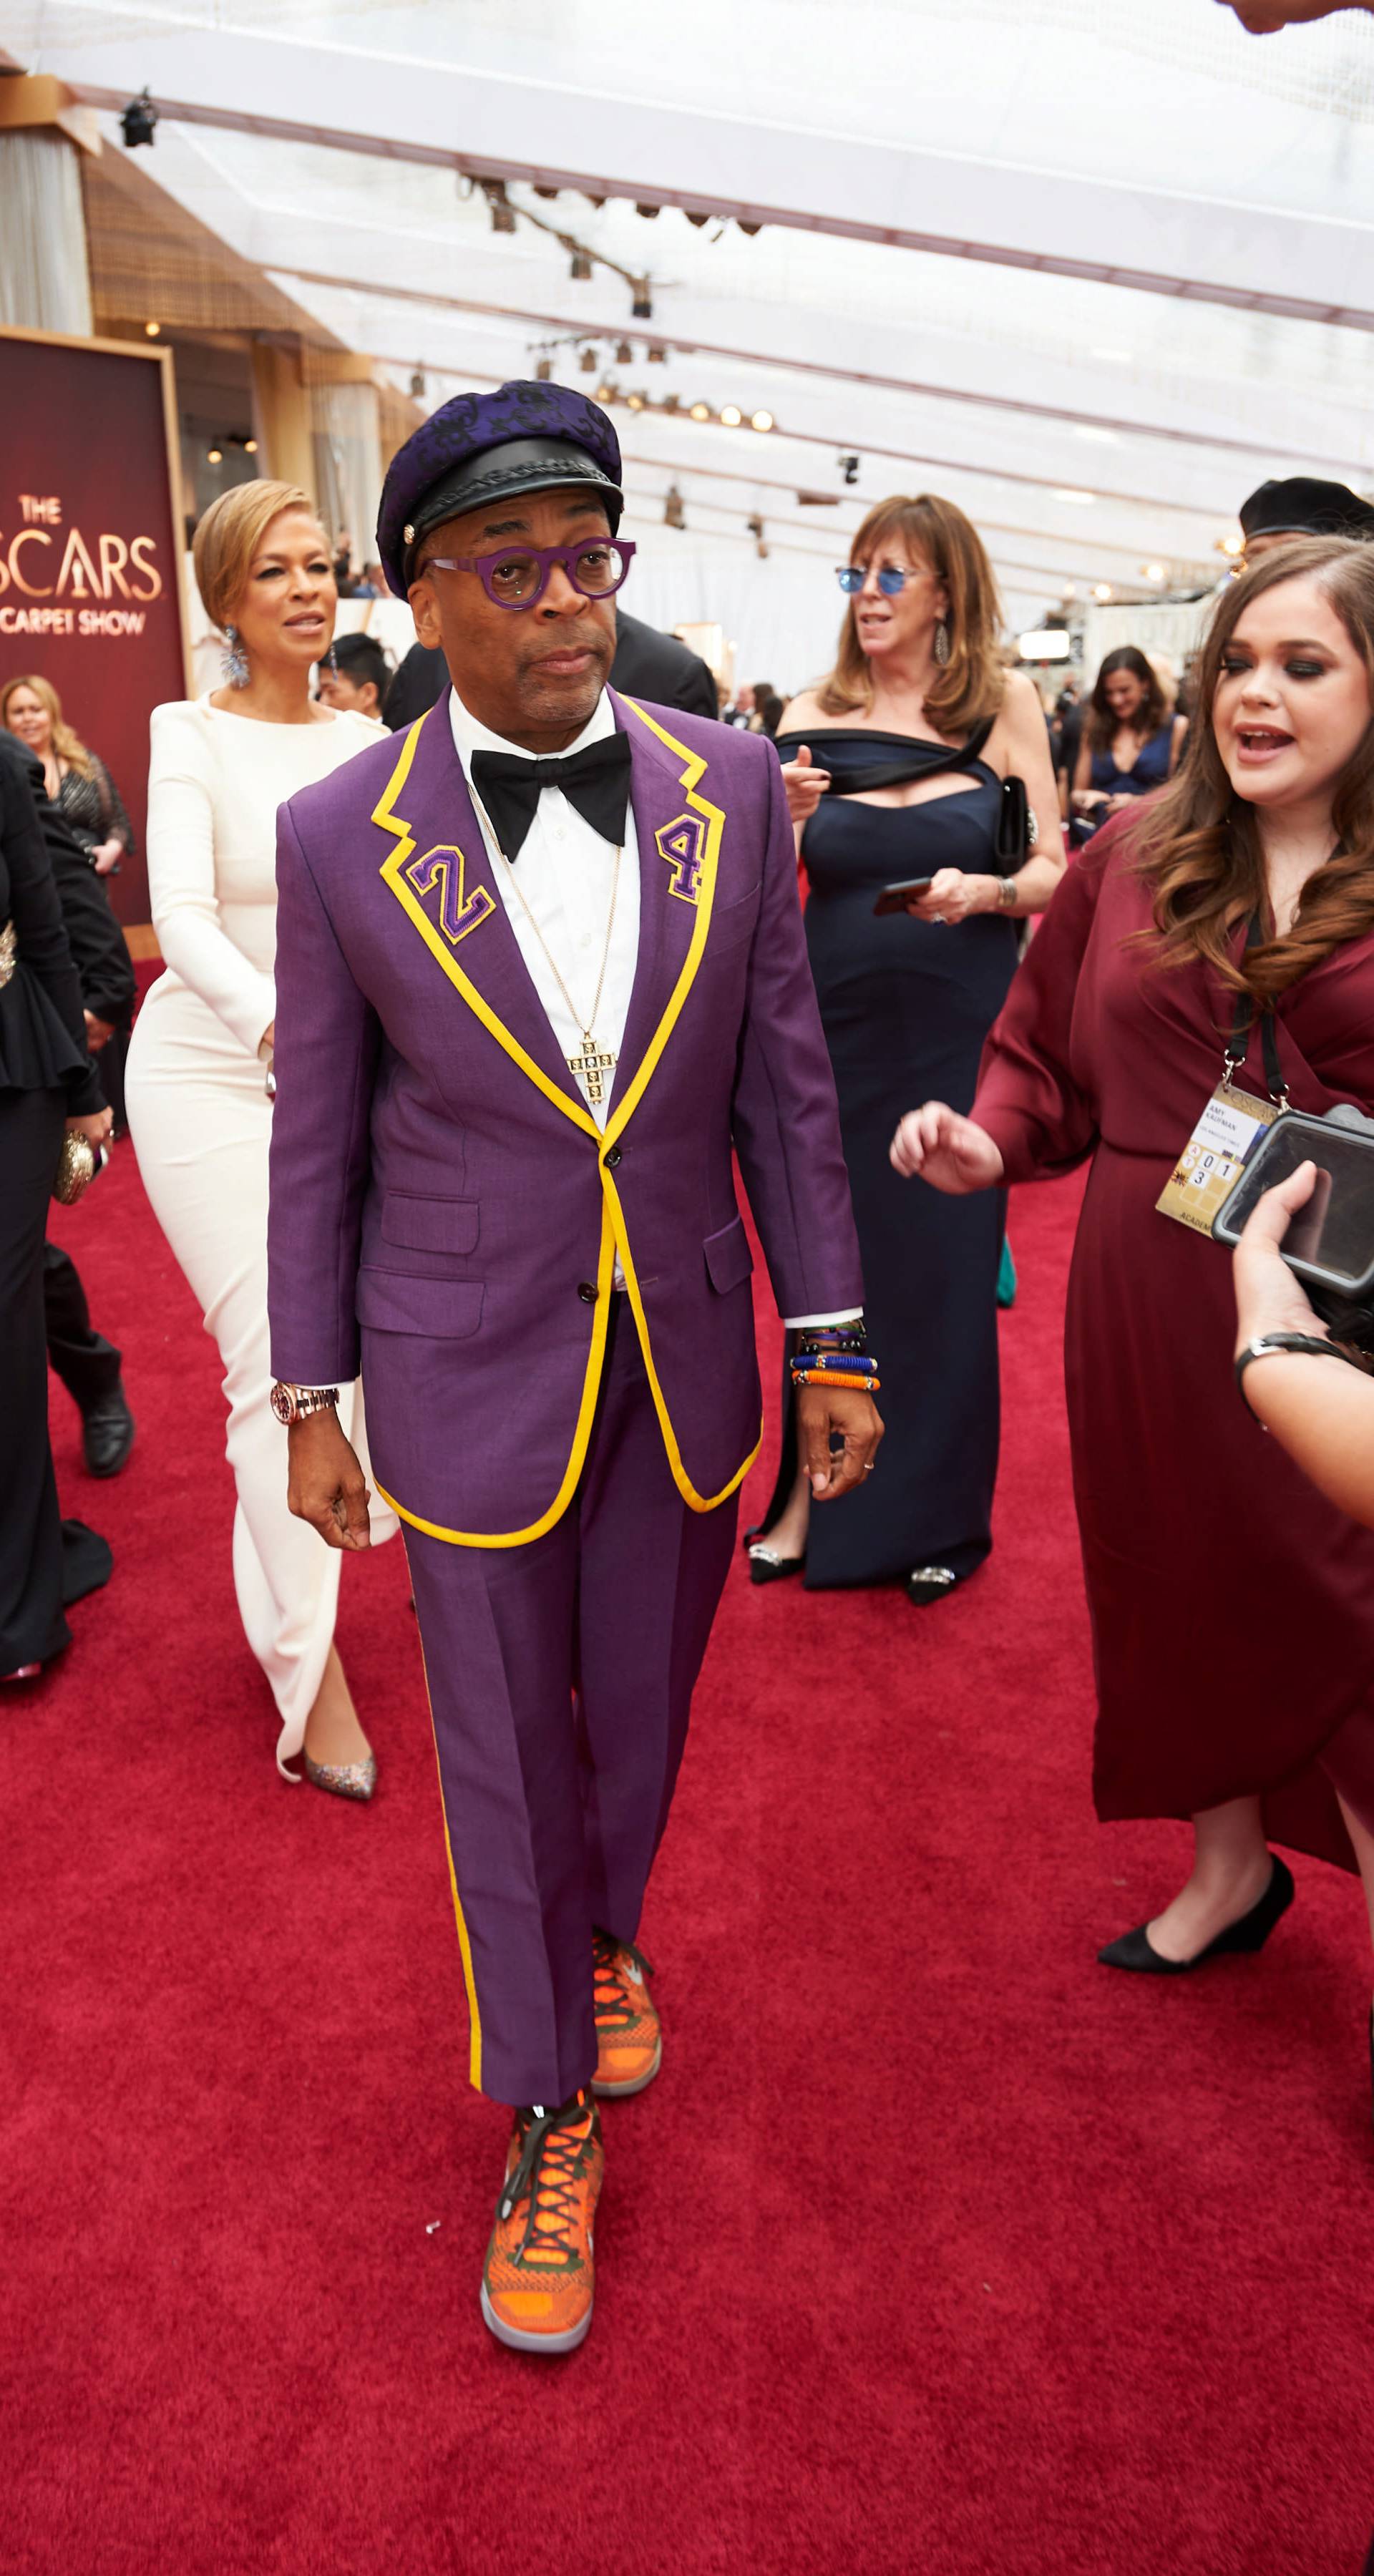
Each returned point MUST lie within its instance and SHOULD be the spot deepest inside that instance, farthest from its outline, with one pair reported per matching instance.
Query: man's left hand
(822, 1410)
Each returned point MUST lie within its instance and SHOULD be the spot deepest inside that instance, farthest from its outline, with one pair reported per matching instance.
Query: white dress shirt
(566, 872)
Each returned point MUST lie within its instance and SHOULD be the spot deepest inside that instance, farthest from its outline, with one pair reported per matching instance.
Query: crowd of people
(494, 1078)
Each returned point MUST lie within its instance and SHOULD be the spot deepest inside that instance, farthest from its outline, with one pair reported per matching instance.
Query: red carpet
(937, 2249)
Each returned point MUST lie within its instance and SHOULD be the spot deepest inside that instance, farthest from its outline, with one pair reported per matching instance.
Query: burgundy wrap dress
(1232, 1606)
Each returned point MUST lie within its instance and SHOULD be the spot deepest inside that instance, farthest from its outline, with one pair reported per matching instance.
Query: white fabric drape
(44, 285)
(348, 462)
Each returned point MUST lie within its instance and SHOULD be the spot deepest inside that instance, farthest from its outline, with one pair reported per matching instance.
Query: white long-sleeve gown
(201, 1122)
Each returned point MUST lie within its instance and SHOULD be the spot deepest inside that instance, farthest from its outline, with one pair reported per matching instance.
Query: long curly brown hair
(1196, 843)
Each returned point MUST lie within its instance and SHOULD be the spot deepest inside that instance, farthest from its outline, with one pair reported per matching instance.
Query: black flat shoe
(107, 1434)
(1135, 1951)
(765, 1564)
(930, 1583)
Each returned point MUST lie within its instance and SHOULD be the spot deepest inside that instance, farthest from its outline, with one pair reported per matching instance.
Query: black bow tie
(595, 780)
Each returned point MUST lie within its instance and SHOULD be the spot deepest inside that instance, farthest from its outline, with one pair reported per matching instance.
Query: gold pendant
(588, 1066)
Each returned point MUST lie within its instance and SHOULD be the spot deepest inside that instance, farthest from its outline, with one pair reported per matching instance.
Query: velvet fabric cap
(450, 463)
(1304, 506)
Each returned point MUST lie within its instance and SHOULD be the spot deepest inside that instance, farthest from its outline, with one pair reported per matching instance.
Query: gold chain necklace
(591, 1063)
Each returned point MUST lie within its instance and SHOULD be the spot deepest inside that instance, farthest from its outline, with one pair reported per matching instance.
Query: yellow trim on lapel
(392, 873)
(591, 1388)
(698, 1502)
(693, 771)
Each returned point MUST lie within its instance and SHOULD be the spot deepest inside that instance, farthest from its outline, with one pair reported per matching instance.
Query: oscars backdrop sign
(90, 589)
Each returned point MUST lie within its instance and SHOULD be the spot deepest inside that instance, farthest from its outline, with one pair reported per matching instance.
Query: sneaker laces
(547, 2171)
(613, 2006)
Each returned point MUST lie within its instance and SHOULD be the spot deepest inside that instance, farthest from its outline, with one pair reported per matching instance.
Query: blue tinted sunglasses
(851, 577)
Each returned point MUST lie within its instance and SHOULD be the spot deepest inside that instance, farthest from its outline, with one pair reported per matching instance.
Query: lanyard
(1240, 1035)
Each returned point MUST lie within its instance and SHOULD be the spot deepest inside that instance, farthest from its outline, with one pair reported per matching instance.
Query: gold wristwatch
(292, 1403)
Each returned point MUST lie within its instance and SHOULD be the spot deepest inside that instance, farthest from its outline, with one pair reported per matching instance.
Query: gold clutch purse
(76, 1168)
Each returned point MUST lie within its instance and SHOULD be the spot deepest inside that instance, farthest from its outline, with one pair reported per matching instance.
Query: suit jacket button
(613, 1156)
(586, 1289)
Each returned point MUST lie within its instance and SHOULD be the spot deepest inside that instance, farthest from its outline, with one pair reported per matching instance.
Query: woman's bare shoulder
(806, 710)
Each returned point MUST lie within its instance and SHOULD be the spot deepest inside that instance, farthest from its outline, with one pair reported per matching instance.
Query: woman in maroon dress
(1232, 1605)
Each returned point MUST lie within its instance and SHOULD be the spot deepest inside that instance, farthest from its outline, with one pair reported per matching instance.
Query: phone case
(1342, 1143)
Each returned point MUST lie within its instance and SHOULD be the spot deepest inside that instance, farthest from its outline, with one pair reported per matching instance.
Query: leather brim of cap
(501, 476)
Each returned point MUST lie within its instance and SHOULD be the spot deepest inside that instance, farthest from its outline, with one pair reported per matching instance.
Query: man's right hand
(325, 1483)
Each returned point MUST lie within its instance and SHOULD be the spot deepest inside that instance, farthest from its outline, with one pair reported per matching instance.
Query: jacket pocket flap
(429, 1225)
(728, 1257)
(392, 1301)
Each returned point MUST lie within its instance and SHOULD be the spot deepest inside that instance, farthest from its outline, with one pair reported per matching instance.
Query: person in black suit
(87, 1364)
(647, 665)
(48, 1084)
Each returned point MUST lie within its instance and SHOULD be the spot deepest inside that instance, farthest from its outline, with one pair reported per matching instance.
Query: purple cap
(454, 462)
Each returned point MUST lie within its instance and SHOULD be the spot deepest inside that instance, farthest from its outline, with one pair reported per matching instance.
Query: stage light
(698, 220)
(849, 468)
(1102, 590)
(624, 354)
(1153, 572)
(214, 455)
(657, 355)
(638, 401)
(671, 402)
(502, 211)
(674, 516)
(588, 362)
(608, 391)
(580, 267)
(138, 121)
(761, 420)
(648, 212)
(642, 306)
(1080, 500)
(731, 416)
(700, 411)
(153, 329)
(250, 447)
(543, 371)
(1232, 545)
(750, 229)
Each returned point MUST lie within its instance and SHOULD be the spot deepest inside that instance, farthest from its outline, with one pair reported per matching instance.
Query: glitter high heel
(342, 1779)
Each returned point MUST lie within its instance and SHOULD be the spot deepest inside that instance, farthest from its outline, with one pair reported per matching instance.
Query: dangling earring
(235, 662)
(941, 642)
(332, 659)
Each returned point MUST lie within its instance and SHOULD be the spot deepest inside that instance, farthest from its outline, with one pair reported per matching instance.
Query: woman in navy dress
(1130, 743)
(894, 769)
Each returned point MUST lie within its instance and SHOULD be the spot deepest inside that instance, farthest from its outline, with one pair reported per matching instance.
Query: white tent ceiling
(1074, 265)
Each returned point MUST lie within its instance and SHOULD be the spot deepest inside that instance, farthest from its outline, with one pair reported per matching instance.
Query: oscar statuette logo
(56, 580)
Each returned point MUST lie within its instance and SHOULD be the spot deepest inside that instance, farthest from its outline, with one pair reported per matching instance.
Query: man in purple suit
(540, 968)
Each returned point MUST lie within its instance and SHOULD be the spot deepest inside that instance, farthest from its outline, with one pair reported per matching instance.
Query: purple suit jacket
(445, 1212)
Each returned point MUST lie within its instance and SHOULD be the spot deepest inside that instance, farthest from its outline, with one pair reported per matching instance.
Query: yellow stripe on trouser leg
(464, 1944)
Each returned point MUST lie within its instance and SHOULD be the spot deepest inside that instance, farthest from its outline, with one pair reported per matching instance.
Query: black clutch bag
(1017, 829)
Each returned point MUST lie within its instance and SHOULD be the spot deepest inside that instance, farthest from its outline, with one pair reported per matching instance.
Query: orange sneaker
(537, 2282)
(629, 2038)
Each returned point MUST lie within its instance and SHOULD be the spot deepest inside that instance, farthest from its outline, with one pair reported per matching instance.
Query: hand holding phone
(900, 897)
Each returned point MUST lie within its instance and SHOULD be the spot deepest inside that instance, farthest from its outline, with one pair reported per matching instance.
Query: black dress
(906, 1006)
(45, 1076)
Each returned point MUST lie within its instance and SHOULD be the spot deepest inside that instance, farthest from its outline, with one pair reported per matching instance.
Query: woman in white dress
(200, 1061)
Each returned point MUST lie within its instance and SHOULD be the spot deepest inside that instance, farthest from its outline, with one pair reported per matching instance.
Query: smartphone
(894, 897)
(1330, 1241)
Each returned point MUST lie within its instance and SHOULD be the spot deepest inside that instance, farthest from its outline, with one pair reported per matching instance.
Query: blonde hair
(65, 743)
(972, 684)
(230, 534)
